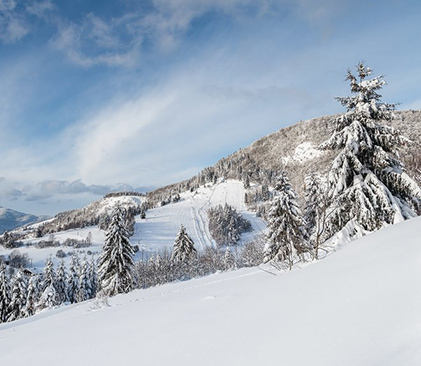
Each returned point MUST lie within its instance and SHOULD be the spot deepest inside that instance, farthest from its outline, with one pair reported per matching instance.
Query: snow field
(358, 307)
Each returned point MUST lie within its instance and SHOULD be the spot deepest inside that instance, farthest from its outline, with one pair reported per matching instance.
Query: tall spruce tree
(18, 296)
(73, 278)
(49, 296)
(4, 293)
(61, 283)
(286, 234)
(183, 248)
(368, 187)
(33, 295)
(116, 264)
(85, 282)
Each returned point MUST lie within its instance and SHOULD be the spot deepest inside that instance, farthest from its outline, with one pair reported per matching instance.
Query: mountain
(294, 148)
(359, 306)
(11, 219)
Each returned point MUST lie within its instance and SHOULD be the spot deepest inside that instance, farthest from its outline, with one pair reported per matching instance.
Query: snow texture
(358, 307)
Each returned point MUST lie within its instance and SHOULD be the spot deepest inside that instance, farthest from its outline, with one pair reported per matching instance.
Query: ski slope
(158, 231)
(358, 307)
(162, 224)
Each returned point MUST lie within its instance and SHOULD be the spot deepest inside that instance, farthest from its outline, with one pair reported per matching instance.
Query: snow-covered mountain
(359, 306)
(11, 219)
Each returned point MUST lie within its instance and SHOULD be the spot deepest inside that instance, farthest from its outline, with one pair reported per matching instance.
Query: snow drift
(359, 306)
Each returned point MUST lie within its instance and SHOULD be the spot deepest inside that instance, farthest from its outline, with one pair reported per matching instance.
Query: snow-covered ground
(358, 307)
(159, 229)
(161, 225)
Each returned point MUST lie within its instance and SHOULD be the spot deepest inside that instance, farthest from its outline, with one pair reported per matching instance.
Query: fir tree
(93, 276)
(183, 248)
(286, 239)
(4, 293)
(61, 283)
(85, 283)
(18, 296)
(73, 279)
(116, 260)
(367, 184)
(33, 295)
(315, 210)
(49, 296)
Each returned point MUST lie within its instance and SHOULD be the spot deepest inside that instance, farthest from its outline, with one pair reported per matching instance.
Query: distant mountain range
(11, 219)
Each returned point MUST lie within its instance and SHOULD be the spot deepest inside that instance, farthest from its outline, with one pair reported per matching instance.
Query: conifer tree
(183, 248)
(33, 295)
(73, 279)
(85, 283)
(286, 239)
(367, 184)
(116, 264)
(93, 276)
(315, 210)
(4, 293)
(18, 296)
(49, 297)
(61, 283)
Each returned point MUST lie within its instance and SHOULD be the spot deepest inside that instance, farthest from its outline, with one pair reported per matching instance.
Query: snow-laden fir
(367, 184)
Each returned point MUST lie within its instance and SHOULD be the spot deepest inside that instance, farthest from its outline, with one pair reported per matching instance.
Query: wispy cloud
(15, 18)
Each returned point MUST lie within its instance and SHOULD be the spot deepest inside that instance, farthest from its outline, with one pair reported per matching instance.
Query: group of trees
(23, 294)
(226, 224)
(366, 187)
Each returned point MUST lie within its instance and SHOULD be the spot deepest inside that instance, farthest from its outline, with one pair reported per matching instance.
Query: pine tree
(367, 184)
(4, 293)
(286, 239)
(33, 295)
(85, 282)
(73, 279)
(18, 296)
(116, 260)
(61, 283)
(183, 248)
(94, 277)
(315, 210)
(49, 296)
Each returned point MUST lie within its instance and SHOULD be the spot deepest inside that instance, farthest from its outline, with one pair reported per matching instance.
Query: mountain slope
(295, 149)
(357, 307)
(11, 219)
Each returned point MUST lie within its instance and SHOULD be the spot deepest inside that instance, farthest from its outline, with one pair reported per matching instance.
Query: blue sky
(109, 95)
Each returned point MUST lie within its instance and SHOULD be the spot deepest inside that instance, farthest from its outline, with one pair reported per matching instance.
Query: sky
(100, 96)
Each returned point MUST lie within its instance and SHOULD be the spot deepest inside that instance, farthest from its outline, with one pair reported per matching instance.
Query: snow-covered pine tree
(286, 234)
(4, 293)
(33, 295)
(94, 276)
(18, 296)
(315, 209)
(367, 185)
(73, 278)
(116, 264)
(183, 248)
(49, 297)
(85, 283)
(61, 283)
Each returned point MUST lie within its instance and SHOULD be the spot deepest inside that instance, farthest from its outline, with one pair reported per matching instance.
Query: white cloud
(15, 22)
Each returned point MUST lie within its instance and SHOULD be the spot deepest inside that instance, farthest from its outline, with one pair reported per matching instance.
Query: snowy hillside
(157, 231)
(160, 227)
(357, 307)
